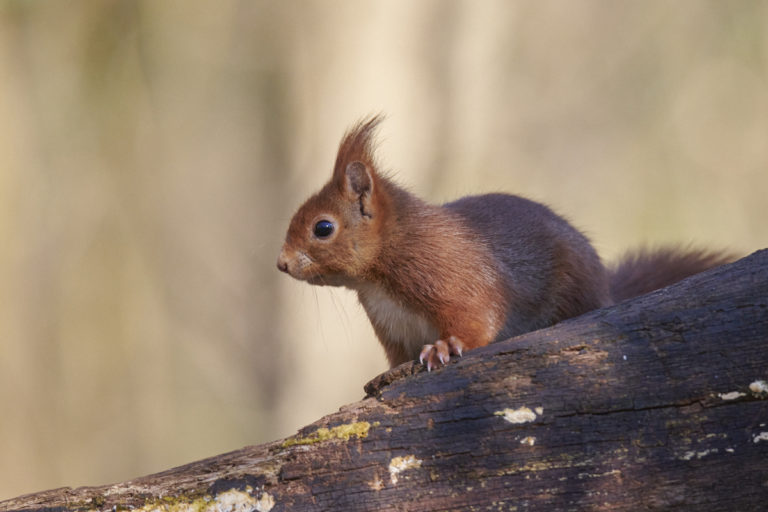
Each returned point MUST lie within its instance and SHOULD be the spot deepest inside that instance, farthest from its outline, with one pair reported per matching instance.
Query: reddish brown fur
(469, 272)
(425, 246)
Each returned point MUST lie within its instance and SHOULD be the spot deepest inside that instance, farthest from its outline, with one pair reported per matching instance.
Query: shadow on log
(659, 403)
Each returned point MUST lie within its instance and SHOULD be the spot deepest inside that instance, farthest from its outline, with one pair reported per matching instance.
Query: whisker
(319, 317)
(343, 315)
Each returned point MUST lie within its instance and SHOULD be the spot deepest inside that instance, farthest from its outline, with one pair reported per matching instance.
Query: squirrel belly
(401, 330)
(438, 280)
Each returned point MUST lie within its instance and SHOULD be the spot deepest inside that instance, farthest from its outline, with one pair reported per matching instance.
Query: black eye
(324, 229)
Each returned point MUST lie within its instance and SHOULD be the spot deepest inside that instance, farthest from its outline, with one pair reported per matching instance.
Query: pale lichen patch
(759, 388)
(265, 502)
(399, 464)
(519, 415)
(529, 440)
(238, 501)
(228, 501)
(762, 436)
(699, 455)
(733, 395)
(343, 432)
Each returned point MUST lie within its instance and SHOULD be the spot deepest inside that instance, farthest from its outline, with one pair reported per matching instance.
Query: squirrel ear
(358, 184)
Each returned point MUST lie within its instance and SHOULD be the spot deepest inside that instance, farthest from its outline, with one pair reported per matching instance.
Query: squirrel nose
(282, 264)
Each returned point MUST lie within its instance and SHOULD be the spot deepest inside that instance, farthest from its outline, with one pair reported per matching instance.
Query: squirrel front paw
(440, 353)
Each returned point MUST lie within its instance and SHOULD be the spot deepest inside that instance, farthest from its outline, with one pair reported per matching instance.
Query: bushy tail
(641, 271)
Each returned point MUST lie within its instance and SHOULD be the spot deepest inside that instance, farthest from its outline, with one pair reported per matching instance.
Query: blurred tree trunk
(655, 403)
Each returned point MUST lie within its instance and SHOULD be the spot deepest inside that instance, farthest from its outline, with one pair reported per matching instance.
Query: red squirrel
(436, 280)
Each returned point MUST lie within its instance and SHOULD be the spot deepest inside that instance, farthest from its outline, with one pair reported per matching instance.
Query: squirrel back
(436, 280)
(549, 268)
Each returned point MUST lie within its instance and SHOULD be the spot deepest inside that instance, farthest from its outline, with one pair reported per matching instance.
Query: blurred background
(152, 154)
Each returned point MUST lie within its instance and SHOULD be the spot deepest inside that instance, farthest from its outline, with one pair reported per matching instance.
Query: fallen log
(659, 403)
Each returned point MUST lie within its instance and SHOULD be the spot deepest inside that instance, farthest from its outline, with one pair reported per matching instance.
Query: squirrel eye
(324, 229)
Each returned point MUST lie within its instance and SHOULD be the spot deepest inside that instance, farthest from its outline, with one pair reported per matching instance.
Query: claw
(425, 353)
(443, 351)
(456, 346)
(439, 353)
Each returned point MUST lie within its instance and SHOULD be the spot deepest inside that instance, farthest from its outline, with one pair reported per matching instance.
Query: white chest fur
(395, 321)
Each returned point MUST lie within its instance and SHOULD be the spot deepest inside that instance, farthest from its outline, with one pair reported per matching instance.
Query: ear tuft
(357, 145)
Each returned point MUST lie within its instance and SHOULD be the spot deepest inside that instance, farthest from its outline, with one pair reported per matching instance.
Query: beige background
(152, 153)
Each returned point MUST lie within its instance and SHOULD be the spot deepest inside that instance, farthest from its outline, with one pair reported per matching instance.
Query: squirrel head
(334, 237)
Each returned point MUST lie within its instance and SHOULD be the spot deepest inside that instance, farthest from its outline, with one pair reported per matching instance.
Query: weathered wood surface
(653, 404)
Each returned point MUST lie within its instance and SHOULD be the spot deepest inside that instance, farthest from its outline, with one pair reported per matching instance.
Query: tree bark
(658, 403)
